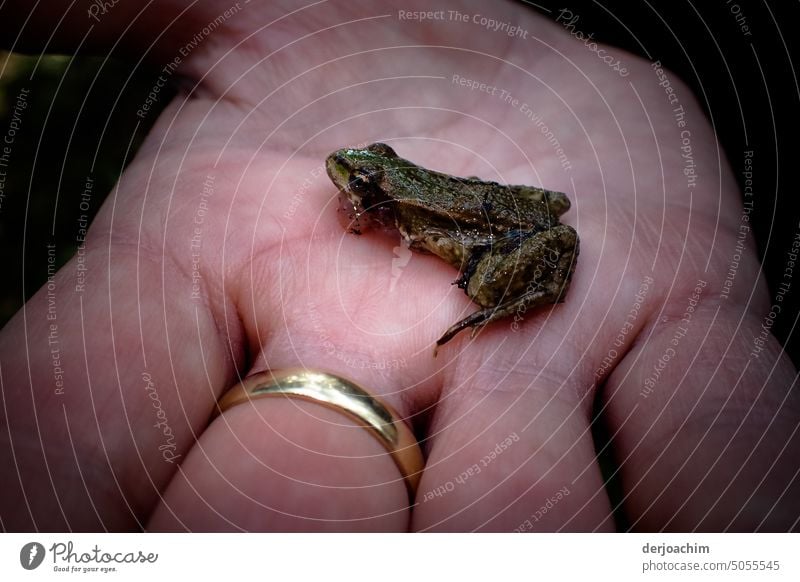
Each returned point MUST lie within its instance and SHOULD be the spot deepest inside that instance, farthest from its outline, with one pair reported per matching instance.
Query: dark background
(748, 86)
(749, 89)
(81, 121)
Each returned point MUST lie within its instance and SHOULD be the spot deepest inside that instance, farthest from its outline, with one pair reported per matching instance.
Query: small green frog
(506, 241)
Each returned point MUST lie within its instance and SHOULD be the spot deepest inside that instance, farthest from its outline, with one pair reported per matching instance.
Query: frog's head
(352, 169)
(358, 173)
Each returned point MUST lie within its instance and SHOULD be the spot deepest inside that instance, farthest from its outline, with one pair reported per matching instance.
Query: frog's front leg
(519, 274)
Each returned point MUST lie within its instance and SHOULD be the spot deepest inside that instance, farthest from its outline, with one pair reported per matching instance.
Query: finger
(708, 441)
(99, 406)
(285, 465)
(297, 466)
(512, 451)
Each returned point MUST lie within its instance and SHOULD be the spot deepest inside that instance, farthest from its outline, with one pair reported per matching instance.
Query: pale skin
(128, 443)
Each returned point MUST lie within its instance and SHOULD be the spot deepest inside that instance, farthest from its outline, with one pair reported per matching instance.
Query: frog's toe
(475, 320)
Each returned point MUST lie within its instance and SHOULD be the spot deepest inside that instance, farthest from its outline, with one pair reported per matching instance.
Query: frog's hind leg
(555, 281)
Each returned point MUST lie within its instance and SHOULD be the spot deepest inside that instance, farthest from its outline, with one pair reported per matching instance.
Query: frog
(511, 250)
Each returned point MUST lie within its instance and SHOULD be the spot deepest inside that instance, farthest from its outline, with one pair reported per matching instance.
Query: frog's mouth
(351, 202)
(364, 206)
(337, 171)
(339, 174)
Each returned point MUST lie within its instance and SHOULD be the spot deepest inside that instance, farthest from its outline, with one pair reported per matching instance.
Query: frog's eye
(365, 181)
(361, 177)
(362, 181)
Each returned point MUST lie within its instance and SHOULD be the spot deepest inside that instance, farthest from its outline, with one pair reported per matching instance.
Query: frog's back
(473, 202)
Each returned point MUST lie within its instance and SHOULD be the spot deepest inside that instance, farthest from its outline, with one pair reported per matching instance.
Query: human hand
(220, 254)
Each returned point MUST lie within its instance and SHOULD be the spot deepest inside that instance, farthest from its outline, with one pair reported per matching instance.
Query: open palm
(221, 254)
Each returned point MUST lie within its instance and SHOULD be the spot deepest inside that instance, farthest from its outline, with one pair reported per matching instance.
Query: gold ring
(339, 394)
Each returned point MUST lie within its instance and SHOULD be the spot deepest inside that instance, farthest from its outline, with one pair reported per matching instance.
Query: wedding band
(339, 394)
